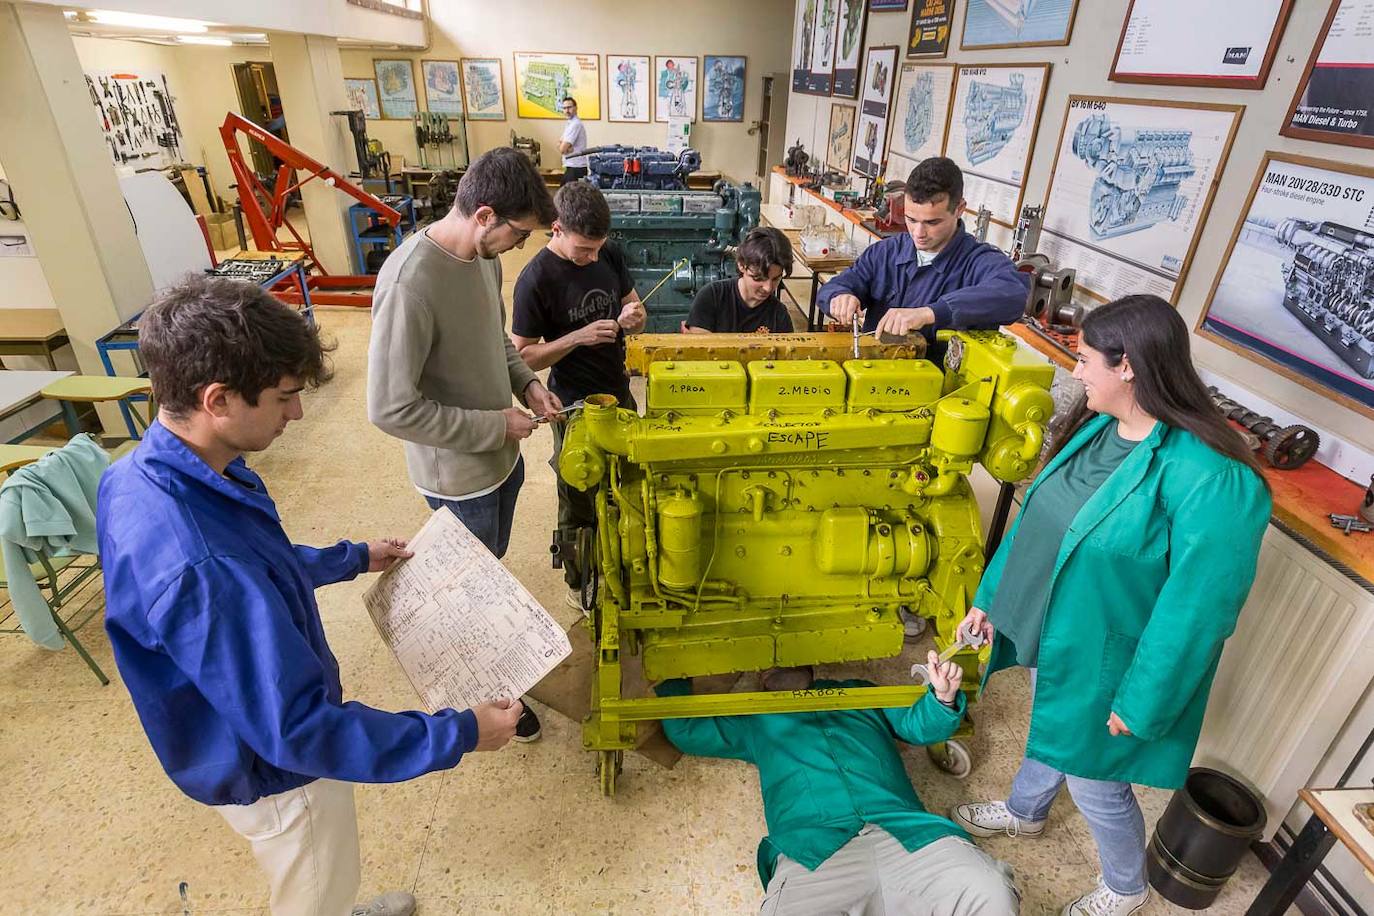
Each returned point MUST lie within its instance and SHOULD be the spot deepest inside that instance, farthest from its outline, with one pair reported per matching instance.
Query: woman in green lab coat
(1118, 584)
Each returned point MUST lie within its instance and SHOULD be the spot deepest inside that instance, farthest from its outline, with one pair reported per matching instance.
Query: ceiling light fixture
(204, 40)
(140, 21)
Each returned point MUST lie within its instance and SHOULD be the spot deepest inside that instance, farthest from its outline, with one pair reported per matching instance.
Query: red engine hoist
(264, 209)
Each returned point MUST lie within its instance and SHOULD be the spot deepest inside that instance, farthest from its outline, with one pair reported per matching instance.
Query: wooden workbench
(1303, 498)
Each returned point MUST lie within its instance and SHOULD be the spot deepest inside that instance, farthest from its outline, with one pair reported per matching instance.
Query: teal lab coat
(1147, 586)
(824, 775)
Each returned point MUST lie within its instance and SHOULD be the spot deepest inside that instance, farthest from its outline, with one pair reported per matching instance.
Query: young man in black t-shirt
(749, 303)
(574, 304)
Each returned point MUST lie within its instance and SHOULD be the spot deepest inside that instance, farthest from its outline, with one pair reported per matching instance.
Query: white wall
(1082, 68)
(22, 284)
(469, 28)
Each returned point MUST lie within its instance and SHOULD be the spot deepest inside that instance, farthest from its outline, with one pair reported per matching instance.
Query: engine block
(991, 116)
(1329, 286)
(780, 512)
(1139, 172)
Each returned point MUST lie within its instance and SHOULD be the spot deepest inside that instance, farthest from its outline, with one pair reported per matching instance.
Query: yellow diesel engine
(780, 512)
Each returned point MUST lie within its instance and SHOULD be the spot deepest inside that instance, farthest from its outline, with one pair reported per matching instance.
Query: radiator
(1290, 676)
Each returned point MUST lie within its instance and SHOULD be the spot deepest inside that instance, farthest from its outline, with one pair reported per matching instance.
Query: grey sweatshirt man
(441, 368)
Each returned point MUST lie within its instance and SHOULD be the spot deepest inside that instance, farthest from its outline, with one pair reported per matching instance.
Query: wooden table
(20, 388)
(1333, 819)
(32, 332)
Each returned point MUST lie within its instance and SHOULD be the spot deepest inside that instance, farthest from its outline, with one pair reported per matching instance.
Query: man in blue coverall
(846, 832)
(211, 609)
(935, 275)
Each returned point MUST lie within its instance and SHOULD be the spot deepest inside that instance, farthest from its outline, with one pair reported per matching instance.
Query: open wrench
(854, 323)
(575, 405)
(963, 639)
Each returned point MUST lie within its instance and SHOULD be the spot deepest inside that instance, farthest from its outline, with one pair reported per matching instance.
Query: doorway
(260, 102)
(770, 127)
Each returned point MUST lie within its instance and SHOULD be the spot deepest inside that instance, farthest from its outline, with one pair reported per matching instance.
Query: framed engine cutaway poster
(1295, 291)
(627, 87)
(850, 51)
(675, 88)
(443, 87)
(1132, 182)
(813, 46)
(920, 115)
(543, 80)
(1225, 43)
(875, 103)
(1016, 23)
(396, 88)
(722, 80)
(362, 96)
(484, 89)
(992, 129)
(839, 144)
(1336, 91)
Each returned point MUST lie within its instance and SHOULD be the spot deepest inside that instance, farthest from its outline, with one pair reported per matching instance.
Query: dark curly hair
(933, 178)
(213, 329)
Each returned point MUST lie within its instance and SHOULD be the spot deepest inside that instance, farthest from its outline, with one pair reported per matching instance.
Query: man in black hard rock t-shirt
(574, 303)
(748, 303)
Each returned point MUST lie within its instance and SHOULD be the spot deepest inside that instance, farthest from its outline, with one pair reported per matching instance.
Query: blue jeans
(489, 517)
(1110, 808)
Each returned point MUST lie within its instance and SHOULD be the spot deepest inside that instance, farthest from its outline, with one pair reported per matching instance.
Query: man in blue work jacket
(846, 831)
(211, 609)
(935, 275)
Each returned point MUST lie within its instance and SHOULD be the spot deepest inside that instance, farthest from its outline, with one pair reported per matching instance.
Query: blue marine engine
(991, 116)
(1139, 174)
(640, 168)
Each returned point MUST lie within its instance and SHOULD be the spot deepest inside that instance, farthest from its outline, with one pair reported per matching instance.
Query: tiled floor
(95, 827)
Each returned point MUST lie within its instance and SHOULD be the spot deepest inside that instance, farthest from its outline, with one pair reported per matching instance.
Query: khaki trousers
(306, 841)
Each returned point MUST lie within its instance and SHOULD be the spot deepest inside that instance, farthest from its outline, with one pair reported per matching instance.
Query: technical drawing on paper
(463, 629)
(1139, 174)
(920, 111)
(626, 79)
(991, 115)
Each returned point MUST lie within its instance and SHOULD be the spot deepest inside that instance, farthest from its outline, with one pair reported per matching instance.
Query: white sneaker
(1103, 901)
(993, 818)
(574, 599)
(392, 903)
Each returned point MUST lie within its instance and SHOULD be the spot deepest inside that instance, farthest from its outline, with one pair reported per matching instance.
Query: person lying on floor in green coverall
(847, 833)
(1117, 586)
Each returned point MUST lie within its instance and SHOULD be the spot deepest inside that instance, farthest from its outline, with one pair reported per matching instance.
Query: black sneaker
(527, 729)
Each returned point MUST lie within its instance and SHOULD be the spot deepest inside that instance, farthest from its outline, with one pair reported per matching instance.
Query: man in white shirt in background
(573, 143)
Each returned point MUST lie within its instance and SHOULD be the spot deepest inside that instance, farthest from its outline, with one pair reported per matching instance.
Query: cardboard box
(224, 235)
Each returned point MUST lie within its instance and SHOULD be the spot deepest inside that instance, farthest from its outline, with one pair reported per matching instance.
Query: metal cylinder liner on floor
(1202, 836)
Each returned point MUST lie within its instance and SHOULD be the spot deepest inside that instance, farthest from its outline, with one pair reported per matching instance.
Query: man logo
(1236, 56)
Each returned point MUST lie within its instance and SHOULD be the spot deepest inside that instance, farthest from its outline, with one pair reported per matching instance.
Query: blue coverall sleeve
(232, 635)
(996, 297)
(327, 565)
(710, 736)
(927, 721)
(857, 280)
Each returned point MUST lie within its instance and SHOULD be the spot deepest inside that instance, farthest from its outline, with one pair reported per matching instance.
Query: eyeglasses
(520, 234)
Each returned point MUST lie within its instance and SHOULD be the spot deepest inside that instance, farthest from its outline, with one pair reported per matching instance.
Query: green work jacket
(1147, 586)
(824, 775)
